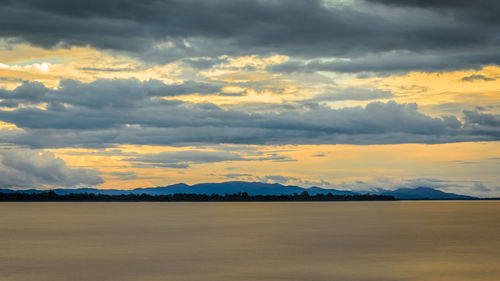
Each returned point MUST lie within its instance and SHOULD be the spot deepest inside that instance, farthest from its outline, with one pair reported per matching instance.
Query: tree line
(236, 197)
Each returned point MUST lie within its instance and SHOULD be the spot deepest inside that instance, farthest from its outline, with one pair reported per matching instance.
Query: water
(365, 241)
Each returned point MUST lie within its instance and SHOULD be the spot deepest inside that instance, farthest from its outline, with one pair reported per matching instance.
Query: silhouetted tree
(240, 196)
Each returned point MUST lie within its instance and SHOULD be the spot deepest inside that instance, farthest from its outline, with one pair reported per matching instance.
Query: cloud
(425, 182)
(476, 77)
(124, 175)
(485, 11)
(165, 30)
(293, 181)
(99, 94)
(10, 79)
(480, 187)
(277, 179)
(35, 169)
(352, 94)
(236, 176)
(182, 159)
(275, 157)
(386, 63)
(389, 183)
(106, 113)
(476, 118)
(106, 69)
(319, 155)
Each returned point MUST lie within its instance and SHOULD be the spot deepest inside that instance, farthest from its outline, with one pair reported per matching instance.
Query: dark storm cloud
(390, 62)
(27, 168)
(111, 112)
(304, 29)
(475, 11)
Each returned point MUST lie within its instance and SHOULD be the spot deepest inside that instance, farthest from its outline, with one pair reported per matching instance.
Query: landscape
(251, 189)
(245, 140)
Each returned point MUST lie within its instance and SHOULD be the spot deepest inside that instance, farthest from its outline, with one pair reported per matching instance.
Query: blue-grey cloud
(319, 155)
(97, 69)
(129, 175)
(352, 94)
(476, 118)
(108, 113)
(303, 29)
(476, 77)
(183, 159)
(396, 62)
(478, 186)
(100, 94)
(11, 79)
(236, 176)
(20, 168)
(484, 11)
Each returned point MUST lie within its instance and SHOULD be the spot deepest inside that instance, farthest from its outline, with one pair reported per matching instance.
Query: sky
(346, 94)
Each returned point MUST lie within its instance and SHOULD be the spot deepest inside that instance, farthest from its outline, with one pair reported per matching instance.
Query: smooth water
(308, 241)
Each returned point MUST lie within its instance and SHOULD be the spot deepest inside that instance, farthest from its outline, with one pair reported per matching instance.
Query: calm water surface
(308, 241)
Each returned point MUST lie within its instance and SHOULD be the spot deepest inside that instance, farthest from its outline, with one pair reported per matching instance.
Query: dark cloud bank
(111, 112)
(421, 35)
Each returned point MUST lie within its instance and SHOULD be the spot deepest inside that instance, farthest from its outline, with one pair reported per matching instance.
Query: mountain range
(257, 188)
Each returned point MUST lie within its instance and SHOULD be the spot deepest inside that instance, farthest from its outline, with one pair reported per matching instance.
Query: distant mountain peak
(423, 192)
(259, 188)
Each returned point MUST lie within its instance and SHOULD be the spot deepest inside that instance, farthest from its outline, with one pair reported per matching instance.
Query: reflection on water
(250, 241)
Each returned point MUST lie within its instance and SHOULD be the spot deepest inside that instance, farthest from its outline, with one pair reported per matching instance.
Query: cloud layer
(113, 112)
(422, 34)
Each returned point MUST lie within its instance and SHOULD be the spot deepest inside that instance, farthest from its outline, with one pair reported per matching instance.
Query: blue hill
(255, 188)
(423, 193)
